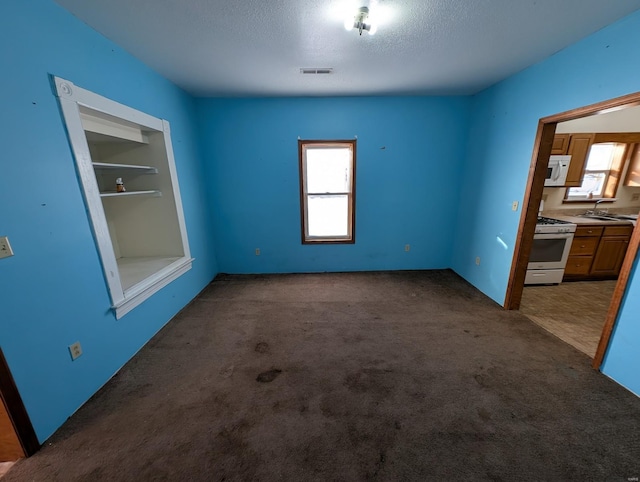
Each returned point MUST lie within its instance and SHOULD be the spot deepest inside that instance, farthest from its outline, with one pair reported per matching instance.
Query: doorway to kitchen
(613, 291)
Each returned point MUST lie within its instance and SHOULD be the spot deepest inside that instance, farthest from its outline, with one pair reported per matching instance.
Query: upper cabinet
(560, 144)
(125, 163)
(578, 149)
(633, 172)
(577, 146)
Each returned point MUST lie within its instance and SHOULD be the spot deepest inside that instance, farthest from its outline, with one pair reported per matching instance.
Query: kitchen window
(327, 191)
(602, 173)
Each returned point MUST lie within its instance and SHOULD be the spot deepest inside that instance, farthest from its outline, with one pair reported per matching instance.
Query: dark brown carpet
(342, 377)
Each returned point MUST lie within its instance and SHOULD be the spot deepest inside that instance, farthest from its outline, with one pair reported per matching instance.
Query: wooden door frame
(529, 216)
(10, 396)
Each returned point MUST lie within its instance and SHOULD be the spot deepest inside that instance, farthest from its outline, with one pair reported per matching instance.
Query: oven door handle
(553, 235)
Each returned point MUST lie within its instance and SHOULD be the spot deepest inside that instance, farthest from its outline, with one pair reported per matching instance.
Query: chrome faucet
(595, 207)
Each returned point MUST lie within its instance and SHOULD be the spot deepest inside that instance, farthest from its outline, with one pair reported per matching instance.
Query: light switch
(514, 206)
(5, 247)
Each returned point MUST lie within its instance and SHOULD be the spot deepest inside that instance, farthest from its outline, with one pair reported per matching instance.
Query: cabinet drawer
(584, 246)
(589, 231)
(578, 265)
(618, 230)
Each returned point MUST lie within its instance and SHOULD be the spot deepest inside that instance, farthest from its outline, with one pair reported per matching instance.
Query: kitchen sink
(605, 217)
(599, 217)
(628, 217)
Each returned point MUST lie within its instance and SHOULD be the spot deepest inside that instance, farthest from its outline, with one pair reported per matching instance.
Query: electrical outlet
(5, 247)
(478, 260)
(514, 206)
(75, 350)
(635, 196)
(257, 251)
(407, 247)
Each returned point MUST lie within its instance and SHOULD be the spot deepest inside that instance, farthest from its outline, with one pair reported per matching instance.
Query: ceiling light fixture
(315, 70)
(361, 21)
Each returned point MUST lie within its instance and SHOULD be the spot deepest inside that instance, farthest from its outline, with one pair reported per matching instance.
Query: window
(327, 191)
(602, 173)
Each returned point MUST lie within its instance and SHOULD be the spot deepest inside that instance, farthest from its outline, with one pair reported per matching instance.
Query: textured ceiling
(257, 47)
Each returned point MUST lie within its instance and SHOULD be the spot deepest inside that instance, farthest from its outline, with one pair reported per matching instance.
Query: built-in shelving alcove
(126, 167)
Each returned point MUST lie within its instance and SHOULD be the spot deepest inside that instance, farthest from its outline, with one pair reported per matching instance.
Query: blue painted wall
(53, 292)
(409, 155)
(622, 362)
(501, 137)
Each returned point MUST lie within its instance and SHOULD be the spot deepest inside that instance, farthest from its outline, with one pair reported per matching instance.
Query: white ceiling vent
(317, 71)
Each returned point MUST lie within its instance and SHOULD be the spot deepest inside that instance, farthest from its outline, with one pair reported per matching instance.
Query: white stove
(549, 251)
(550, 225)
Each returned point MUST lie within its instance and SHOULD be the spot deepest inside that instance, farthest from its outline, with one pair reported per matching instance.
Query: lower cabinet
(611, 250)
(583, 249)
(597, 252)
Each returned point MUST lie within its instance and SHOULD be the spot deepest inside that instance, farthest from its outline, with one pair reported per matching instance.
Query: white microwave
(557, 170)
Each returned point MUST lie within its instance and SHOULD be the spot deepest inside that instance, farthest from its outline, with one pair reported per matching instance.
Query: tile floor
(573, 311)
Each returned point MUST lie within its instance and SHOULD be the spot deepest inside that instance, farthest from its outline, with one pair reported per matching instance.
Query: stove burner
(543, 220)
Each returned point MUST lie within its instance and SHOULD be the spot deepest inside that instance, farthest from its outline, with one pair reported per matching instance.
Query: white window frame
(350, 238)
(71, 98)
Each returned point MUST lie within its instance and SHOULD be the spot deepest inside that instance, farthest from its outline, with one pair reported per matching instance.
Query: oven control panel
(556, 229)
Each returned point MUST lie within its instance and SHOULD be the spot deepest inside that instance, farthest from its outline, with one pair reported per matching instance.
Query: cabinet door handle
(583, 246)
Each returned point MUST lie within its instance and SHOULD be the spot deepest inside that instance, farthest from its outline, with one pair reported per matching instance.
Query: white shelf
(134, 270)
(112, 128)
(131, 193)
(108, 165)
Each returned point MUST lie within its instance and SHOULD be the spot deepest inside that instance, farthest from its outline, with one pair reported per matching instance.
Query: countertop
(598, 222)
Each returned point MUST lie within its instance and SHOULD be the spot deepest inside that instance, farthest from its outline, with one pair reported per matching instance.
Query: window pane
(328, 215)
(328, 169)
(592, 186)
(600, 157)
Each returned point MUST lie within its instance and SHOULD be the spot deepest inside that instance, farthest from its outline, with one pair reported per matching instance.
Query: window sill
(590, 201)
(329, 241)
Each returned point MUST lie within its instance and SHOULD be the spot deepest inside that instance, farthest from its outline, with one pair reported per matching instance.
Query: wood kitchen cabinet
(583, 249)
(611, 250)
(633, 172)
(597, 252)
(560, 144)
(578, 149)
